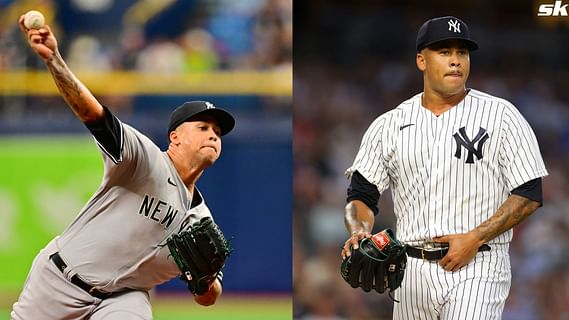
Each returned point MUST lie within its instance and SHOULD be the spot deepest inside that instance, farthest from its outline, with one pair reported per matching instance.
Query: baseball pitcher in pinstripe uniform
(464, 168)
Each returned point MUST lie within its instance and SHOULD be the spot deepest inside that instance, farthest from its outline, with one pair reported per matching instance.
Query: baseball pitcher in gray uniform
(464, 168)
(105, 262)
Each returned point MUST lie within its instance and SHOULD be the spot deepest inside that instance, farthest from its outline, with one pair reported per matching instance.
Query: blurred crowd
(169, 37)
(210, 35)
(338, 95)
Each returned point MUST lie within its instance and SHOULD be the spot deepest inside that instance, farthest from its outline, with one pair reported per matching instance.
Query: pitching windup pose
(125, 239)
(464, 167)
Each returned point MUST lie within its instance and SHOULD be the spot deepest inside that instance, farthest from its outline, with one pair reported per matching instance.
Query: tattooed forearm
(64, 80)
(79, 99)
(513, 211)
(358, 217)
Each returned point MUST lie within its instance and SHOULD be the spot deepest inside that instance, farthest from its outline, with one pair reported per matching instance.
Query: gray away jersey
(118, 239)
(449, 173)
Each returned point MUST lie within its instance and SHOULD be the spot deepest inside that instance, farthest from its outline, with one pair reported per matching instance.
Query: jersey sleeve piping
(109, 135)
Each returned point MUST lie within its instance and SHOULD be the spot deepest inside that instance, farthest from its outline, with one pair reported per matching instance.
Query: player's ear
(174, 138)
(420, 59)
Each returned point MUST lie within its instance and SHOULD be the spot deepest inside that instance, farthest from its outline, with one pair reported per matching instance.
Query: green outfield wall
(44, 182)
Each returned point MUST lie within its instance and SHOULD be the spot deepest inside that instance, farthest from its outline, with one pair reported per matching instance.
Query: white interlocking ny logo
(454, 25)
(209, 105)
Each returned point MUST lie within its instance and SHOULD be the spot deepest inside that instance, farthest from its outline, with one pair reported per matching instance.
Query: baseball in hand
(34, 20)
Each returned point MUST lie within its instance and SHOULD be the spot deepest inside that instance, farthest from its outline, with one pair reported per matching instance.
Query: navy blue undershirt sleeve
(108, 133)
(531, 190)
(363, 190)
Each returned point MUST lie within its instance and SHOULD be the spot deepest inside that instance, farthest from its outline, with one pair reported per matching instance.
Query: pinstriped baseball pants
(477, 291)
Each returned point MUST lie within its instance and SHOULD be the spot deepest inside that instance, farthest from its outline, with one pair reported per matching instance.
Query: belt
(61, 265)
(432, 254)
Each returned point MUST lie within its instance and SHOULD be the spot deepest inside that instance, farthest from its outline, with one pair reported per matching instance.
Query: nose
(212, 135)
(454, 61)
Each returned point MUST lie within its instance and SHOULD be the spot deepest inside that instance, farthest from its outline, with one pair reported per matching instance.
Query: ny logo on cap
(209, 105)
(454, 25)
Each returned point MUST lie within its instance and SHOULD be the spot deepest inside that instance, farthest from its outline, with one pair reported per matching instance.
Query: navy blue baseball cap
(191, 109)
(444, 28)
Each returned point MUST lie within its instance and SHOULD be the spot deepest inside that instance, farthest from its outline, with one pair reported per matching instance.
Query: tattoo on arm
(513, 211)
(358, 217)
(78, 98)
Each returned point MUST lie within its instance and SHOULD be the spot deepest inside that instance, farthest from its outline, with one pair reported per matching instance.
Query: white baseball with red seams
(34, 19)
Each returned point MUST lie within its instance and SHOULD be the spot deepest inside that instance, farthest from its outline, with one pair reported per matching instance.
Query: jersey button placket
(436, 163)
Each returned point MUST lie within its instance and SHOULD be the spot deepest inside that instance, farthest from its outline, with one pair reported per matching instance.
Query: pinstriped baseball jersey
(117, 241)
(449, 173)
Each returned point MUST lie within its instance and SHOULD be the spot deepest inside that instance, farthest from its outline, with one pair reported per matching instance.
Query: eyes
(205, 127)
(447, 52)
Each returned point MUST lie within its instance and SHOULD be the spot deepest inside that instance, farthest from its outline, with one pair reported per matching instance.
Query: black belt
(432, 254)
(61, 265)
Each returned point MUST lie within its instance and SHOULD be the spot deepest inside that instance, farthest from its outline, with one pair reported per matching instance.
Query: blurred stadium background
(355, 60)
(142, 59)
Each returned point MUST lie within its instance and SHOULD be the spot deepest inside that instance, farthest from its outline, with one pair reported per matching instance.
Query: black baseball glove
(200, 253)
(378, 264)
